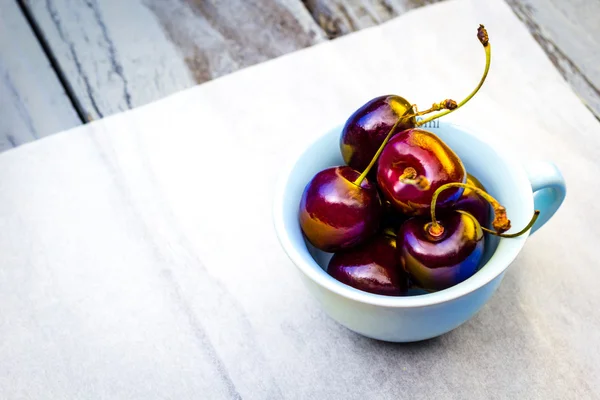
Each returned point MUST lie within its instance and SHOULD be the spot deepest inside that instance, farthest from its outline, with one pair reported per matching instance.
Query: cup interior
(501, 176)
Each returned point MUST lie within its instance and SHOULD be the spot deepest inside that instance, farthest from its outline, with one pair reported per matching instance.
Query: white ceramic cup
(520, 189)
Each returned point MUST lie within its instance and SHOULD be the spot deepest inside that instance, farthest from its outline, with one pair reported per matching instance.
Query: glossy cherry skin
(436, 263)
(335, 213)
(473, 203)
(368, 126)
(430, 157)
(371, 267)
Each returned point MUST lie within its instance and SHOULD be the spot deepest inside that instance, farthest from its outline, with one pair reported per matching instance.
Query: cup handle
(549, 190)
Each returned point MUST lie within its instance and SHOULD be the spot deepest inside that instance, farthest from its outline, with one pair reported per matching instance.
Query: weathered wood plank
(33, 103)
(339, 17)
(122, 54)
(118, 55)
(568, 30)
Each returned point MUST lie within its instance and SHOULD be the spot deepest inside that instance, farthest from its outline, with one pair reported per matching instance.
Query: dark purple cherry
(372, 267)
(368, 126)
(473, 203)
(413, 165)
(340, 208)
(336, 213)
(439, 262)
(440, 253)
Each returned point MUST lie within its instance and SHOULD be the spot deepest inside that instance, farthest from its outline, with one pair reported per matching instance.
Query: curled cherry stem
(501, 222)
(534, 218)
(482, 35)
(447, 105)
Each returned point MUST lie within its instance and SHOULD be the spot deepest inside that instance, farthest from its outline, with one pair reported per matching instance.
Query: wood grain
(569, 32)
(121, 54)
(219, 37)
(118, 55)
(33, 103)
(339, 17)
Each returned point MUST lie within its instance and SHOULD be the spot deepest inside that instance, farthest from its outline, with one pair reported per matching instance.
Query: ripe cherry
(336, 212)
(413, 165)
(340, 208)
(368, 126)
(372, 267)
(437, 262)
(438, 254)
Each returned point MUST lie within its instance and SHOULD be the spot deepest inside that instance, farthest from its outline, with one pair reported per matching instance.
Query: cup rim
(497, 263)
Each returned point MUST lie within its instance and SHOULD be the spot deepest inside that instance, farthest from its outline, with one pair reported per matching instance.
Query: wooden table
(64, 63)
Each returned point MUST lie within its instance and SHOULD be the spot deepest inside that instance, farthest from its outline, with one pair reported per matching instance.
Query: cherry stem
(447, 104)
(534, 218)
(364, 174)
(484, 39)
(501, 222)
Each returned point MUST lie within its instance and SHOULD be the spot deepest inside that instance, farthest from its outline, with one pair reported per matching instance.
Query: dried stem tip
(450, 104)
(482, 35)
(501, 222)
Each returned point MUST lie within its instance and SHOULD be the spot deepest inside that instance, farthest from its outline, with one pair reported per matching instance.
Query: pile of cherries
(413, 217)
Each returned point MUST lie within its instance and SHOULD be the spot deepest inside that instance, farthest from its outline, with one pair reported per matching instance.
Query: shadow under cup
(501, 176)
